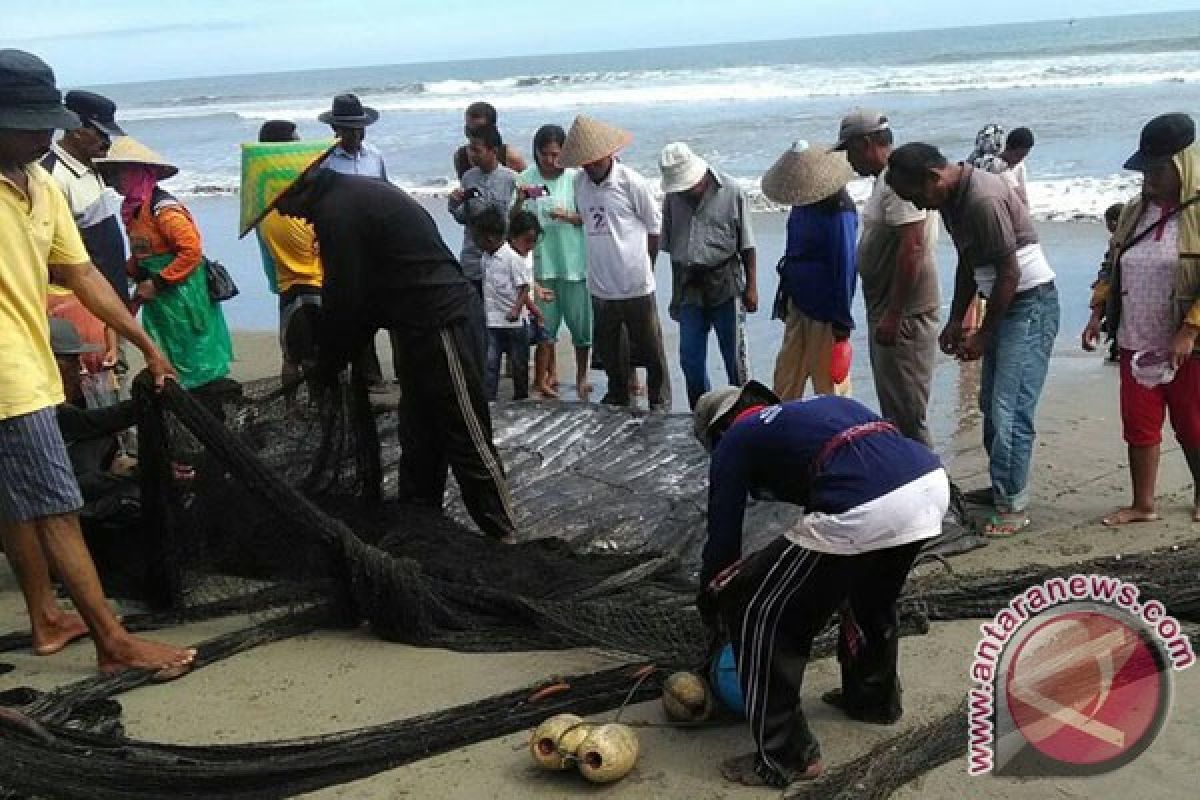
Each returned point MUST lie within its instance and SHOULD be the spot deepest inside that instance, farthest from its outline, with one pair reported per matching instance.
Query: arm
(516, 161)
(728, 487)
(909, 257)
(112, 344)
(846, 272)
(78, 424)
(523, 300)
(456, 204)
(996, 220)
(98, 297)
(749, 254)
(1183, 343)
(182, 235)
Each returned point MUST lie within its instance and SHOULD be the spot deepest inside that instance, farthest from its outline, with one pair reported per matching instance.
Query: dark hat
(65, 339)
(29, 100)
(860, 122)
(349, 112)
(94, 110)
(1162, 138)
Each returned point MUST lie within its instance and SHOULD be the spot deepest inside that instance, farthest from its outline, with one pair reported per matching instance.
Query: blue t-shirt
(773, 451)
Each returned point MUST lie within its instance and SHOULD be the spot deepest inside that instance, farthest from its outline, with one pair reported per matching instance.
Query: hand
(160, 369)
(458, 195)
(888, 329)
(111, 356)
(951, 336)
(1091, 334)
(544, 294)
(972, 347)
(1182, 345)
(750, 299)
(512, 317)
(146, 290)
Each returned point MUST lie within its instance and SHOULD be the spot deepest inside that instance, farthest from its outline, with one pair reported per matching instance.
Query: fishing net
(283, 505)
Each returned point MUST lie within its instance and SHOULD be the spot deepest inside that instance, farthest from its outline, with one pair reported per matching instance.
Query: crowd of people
(572, 239)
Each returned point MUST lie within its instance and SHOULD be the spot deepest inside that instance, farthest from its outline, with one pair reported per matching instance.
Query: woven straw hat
(127, 150)
(806, 174)
(591, 140)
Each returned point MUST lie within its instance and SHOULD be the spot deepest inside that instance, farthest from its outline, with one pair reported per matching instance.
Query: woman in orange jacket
(167, 263)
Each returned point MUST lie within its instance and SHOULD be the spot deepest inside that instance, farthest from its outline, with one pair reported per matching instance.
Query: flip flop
(1005, 525)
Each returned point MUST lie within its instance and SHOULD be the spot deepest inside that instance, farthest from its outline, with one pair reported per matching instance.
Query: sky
(92, 42)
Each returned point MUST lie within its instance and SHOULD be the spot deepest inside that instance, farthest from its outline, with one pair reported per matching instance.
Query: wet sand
(335, 680)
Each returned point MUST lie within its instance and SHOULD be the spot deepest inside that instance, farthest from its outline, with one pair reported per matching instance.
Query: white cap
(681, 168)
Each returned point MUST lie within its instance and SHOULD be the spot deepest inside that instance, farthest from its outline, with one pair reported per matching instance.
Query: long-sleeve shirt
(773, 452)
(818, 272)
(385, 264)
(368, 162)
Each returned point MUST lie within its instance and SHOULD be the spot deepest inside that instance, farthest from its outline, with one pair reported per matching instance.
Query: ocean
(1085, 88)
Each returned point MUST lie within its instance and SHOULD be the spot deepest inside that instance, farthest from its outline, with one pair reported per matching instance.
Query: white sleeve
(647, 209)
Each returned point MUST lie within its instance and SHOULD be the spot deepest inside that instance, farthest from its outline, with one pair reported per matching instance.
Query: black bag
(220, 283)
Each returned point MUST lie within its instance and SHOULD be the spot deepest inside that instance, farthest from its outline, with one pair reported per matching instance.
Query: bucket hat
(806, 174)
(591, 140)
(348, 112)
(29, 100)
(126, 150)
(681, 168)
(714, 405)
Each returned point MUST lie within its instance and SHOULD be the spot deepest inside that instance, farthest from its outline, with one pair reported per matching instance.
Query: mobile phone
(532, 192)
(472, 193)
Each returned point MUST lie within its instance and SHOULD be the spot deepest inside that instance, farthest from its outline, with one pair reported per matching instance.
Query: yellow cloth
(1187, 161)
(293, 247)
(804, 355)
(35, 232)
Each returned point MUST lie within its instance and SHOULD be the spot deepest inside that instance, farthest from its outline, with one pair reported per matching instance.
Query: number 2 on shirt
(597, 221)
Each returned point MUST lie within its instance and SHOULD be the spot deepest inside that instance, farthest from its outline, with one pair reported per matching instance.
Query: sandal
(1006, 524)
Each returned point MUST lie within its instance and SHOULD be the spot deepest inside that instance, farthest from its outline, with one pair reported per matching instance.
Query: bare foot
(1125, 516)
(131, 652)
(52, 637)
(637, 389)
(547, 391)
(584, 390)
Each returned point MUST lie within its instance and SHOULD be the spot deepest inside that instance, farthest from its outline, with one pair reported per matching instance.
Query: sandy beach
(336, 680)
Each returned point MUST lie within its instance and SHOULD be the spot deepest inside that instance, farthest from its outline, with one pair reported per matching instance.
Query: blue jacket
(772, 452)
(818, 271)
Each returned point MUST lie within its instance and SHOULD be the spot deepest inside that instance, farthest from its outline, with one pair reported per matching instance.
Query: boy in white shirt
(507, 281)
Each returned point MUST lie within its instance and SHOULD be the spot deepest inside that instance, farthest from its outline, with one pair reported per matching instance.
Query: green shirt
(561, 253)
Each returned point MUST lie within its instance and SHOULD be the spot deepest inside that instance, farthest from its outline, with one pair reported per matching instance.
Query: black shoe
(980, 497)
(836, 699)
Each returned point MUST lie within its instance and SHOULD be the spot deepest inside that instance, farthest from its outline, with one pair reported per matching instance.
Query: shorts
(572, 304)
(1143, 410)
(538, 333)
(36, 478)
(299, 313)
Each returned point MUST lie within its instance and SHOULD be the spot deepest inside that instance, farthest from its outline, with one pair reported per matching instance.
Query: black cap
(29, 100)
(94, 110)
(1162, 138)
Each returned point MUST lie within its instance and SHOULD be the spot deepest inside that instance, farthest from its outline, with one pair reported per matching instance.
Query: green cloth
(188, 326)
(562, 251)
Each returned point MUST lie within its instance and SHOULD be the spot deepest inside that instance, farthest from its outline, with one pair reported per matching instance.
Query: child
(507, 276)
(1111, 215)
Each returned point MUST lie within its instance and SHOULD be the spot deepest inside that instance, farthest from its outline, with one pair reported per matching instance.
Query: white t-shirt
(618, 215)
(1016, 178)
(1034, 271)
(504, 273)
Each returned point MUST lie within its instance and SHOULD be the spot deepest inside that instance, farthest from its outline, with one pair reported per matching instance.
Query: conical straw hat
(268, 169)
(591, 140)
(128, 150)
(805, 174)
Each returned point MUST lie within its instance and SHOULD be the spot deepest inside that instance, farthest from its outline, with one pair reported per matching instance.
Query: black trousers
(773, 608)
(625, 332)
(444, 422)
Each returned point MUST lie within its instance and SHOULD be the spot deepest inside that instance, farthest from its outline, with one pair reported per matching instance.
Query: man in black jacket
(386, 266)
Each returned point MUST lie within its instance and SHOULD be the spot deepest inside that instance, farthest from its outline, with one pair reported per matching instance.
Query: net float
(608, 753)
(554, 742)
(686, 698)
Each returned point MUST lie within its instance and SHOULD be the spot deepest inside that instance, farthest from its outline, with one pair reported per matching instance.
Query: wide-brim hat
(806, 174)
(1161, 139)
(127, 151)
(29, 100)
(269, 171)
(348, 112)
(591, 140)
(681, 168)
(712, 406)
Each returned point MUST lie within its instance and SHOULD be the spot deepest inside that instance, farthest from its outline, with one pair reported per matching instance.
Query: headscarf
(1187, 161)
(989, 144)
(137, 185)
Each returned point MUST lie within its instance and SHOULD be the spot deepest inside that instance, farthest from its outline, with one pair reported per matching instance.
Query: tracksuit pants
(444, 422)
(773, 607)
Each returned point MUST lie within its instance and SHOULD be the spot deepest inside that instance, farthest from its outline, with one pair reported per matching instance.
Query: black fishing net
(284, 506)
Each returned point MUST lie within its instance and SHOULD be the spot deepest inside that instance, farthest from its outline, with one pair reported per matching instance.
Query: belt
(1040, 289)
(846, 437)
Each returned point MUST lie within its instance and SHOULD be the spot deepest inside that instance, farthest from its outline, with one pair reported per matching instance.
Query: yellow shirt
(293, 246)
(35, 232)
